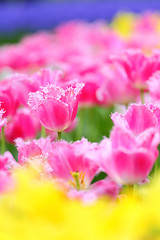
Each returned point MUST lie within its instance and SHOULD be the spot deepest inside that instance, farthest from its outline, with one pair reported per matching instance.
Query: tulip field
(80, 132)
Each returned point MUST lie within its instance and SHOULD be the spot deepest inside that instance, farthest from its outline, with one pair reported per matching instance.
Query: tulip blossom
(128, 159)
(22, 125)
(69, 163)
(139, 67)
(34, 154)
(66, 162)
(138, 118)
(53, 135)
(92, 82)
(55, 107)
(31, 52)
(133, 144)
(14, 92)
(8, 100)
(22, 85)
(30, 149)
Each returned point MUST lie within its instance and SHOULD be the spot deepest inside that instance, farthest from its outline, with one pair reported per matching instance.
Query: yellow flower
(123, 24)
(37, 209)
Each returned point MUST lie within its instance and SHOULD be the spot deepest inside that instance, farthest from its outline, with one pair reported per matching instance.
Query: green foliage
(11, 148)
(94, 123)
(156, 165)
(98, 177)
(11, 38)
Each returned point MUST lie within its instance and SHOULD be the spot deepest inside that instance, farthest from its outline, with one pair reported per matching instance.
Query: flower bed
(80, 132)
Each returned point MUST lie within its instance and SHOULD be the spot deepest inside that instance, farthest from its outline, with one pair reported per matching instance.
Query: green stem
(90, 133)
(43, 132)
(156, 166)
(80, 127)
(59, 135)
(142, 96)
(3, 141)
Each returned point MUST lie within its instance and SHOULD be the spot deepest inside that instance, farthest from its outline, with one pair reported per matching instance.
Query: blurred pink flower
(88, 96)
(31, 52)
(137, 119)
(8, 100)
(7, 163)
(46, 76)
(154, 86)
(22, 125)
(22, 85)
(114, 75)
(138, 66)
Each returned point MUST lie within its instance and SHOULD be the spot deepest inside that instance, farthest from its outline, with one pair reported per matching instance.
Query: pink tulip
(69, 163)
(55, 107)
(92, 83)
(34, 154)
(128, 159)
(30, 149)
(145, 25)
(31, 52)
(138, 119)
(22, 125)
(14, 91)
(139, 67)
(8, 100)
(66, 162)
(22, 85)
(130, 153)
(88, 72)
